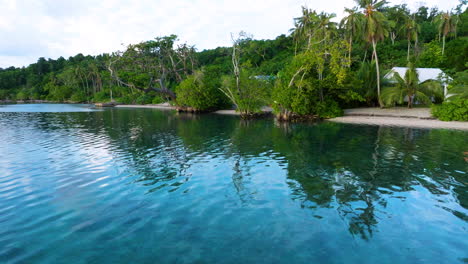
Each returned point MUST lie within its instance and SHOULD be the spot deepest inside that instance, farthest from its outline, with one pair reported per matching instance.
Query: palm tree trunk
(350, 48)
(443, 44)
(374, 46)
(410, 101)
(409, 45)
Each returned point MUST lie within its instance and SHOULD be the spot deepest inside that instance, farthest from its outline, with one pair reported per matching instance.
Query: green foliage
(144, 99)
(431, 56)
(158, 100)
(201, 91)
(458, 88)
(101, 97)
(250, 95)
(328, 109)
(313, 81)
(126, 99)
(453, 110)
(409, 87)
(4, 95)
(318, 67)
(22, 95)
(78, 97)
(456, 54)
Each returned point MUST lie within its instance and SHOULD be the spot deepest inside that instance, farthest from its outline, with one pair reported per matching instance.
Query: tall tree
(411, 30)
(352, 24)
(143, 65)
(447, 25)
(375, 29)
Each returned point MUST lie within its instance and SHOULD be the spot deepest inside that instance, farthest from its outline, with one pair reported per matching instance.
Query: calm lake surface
(150, 186)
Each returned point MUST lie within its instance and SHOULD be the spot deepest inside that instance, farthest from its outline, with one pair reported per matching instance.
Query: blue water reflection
(149, 186)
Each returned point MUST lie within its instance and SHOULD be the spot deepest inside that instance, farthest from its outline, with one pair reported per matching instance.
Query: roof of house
(423, 73)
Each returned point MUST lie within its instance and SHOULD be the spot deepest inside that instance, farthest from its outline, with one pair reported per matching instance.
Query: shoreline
(395, 117)
(400, 122)
(164, 106)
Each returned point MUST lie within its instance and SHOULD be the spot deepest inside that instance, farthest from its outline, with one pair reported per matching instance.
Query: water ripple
(136, 186)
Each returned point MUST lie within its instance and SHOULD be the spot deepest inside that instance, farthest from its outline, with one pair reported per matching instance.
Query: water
(151, 186)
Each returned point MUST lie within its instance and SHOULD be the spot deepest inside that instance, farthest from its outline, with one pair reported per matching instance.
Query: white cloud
(52, 28)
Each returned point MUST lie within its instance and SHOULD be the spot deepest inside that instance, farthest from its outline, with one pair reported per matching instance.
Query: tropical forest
(321, 66)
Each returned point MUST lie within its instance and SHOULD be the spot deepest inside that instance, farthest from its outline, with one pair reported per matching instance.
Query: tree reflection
(352, 169)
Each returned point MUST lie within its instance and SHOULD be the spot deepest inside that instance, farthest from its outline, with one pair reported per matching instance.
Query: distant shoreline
(395, 117)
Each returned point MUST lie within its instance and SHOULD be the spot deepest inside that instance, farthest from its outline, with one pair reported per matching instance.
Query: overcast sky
(52, 28)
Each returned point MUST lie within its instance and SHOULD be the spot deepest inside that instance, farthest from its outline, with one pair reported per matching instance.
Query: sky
(52, 28)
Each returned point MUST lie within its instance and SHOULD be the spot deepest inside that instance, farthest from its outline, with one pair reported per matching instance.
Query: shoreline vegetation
(322, 67)
(396, 117)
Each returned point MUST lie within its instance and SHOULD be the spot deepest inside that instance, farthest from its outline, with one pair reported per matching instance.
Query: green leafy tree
(246, 92)
(309, 85)
(375, 29)
(152, 65)
(431, 56)
(200, 91)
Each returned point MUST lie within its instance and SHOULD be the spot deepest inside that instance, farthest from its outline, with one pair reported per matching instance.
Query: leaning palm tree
(375, 28)
(409, 87)
(447, 25)
(411, 30)
(313, 28)
(325, 28)
(352, 24)
(303, 25)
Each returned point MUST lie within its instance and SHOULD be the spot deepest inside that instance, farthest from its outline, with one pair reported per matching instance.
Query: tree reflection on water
(353, 169)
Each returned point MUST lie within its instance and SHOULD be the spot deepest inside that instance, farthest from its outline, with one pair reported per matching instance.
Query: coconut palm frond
(393, 95)
(432, 88)
(423, 98)
(459, 91)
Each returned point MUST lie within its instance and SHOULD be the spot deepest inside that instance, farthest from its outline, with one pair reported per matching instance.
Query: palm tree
(314, 27)
(352, 23)
(446, 24)
(325, 28)
(375, 28)
(411, 30)
(409, 87)
(302, 29)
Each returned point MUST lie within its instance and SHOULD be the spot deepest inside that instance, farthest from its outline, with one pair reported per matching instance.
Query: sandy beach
(401, 122)
(163, 106)
(397, 116)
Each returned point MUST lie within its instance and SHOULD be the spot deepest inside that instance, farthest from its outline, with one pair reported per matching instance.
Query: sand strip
(154, 106)
(401, 122)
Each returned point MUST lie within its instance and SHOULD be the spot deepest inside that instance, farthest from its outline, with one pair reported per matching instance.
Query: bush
(101, 97)
(328, 109)
(298, 92)
(144, 99)
(158, 100)
(4, 94)
(431, 56)
(201, 92)
(21, 95)
(252, 94)
(454, 110)
(78, 97)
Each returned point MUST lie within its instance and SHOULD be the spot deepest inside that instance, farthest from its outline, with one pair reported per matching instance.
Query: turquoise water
(151, 186)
